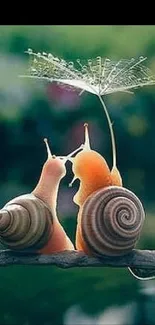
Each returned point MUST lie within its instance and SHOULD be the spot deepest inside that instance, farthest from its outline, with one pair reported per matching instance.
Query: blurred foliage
(31, 110)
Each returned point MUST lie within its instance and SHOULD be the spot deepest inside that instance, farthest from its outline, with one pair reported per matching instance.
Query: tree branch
(143, 259)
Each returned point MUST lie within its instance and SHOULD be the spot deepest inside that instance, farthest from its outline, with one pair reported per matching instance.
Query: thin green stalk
(111, 131)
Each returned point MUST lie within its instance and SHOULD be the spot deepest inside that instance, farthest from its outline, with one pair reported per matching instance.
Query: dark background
(31, 110)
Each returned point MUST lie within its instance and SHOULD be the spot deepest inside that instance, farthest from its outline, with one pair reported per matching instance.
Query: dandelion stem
(111, 130)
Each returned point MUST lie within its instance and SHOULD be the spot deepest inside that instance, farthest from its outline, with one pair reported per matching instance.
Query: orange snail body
(92, 170)
(110, 217)
(30, 222)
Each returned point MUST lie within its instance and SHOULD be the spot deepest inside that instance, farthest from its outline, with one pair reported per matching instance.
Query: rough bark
(143, 259)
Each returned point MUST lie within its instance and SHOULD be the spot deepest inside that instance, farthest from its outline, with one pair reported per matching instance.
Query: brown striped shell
(111, 221)
(25, 222)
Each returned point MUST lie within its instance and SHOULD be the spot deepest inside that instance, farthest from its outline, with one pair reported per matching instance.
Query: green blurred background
(31, 110)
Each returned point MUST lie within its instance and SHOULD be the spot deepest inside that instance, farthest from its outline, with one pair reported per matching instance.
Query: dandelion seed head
(100, 76)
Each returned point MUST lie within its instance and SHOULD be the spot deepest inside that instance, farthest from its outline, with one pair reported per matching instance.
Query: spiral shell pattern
(25, 222)
(111, 221)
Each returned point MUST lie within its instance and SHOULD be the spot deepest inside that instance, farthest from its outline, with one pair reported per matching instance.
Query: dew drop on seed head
(50, 56)
(70, 65)
(33, 70)
(64, 63)
(29, 51)
(56, 59)
(79, 62)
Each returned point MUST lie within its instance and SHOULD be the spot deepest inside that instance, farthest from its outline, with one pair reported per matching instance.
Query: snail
(30, 222)
(110, 216)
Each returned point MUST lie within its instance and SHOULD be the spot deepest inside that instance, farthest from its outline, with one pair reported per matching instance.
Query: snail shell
(110, 221)
(25, 222)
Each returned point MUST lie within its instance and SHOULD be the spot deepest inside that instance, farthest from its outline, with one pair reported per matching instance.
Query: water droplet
(29, 51)
(50, 56)
(39, 54)
(64, 63)
(70, 65)
(141, 57)
(79, 62)
(56, 59)
(44, 53)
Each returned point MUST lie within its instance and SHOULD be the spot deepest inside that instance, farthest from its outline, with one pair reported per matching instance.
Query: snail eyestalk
(85, 147)
(69, 156)
(111, 131)
(48, 149)
(87, 141)
(64, 158)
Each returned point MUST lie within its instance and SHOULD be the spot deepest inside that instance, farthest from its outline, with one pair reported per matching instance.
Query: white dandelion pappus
(98, 76)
